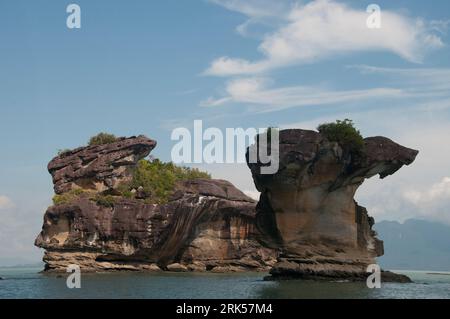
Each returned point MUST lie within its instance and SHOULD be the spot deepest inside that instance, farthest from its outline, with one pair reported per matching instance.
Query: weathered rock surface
(305, 225)
(206, 225)
(98, 167)
(307, 209)
(176, 267)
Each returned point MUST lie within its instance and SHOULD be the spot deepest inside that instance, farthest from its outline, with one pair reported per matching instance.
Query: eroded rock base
(329, 270)
(58, 262)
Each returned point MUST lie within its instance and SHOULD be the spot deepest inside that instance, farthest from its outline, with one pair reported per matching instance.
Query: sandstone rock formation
(207, 225)
(98, 167)
(305, 225)
(307, 209)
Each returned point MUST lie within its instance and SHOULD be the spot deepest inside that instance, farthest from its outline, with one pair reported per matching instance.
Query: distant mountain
(415, 245)
(20, 262)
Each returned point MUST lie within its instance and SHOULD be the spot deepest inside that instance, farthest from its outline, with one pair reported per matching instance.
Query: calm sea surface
(29, 283)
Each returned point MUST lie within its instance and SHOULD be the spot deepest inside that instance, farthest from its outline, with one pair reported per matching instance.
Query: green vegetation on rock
(102, 138)
(345, 134)
(68, 197)
(104, 200)
(152, 181)
(158, 179)
(75, 194)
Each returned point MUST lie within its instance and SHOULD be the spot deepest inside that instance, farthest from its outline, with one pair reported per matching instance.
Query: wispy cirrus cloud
(430, 86)
(257, 8)
(260, 13)
(435, 79)
(257, 91)
(322, 29)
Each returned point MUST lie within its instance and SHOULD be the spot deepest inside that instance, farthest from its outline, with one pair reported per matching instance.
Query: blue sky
(147, 67)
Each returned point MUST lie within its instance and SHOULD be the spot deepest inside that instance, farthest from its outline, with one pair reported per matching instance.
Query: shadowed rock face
(98, 167)
(206, 225)
(308, 209)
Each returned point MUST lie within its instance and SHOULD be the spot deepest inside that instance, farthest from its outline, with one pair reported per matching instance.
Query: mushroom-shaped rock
(307, 209)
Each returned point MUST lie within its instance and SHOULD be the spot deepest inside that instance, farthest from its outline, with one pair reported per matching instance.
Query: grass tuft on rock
(68, 197)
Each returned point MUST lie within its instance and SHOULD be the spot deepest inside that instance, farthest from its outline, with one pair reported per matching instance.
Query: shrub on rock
(102, 138)
(345, 134)
(158, 179)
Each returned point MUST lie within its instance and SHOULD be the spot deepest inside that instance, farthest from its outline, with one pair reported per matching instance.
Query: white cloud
(424, 79)
(430, 85)
(321, 29)
(325, 28)
(438, 191)
(256, 8)
(428, 200)
(225, 66)
(257, 91)
(261, 14)
(412, 192)
(5, 203)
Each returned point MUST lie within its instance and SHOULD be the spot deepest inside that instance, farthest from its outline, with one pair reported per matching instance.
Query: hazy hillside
(415, 245)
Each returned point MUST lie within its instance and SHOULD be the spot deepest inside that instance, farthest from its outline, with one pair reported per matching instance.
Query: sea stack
(205, 225)
(305, 225)
(307, 209)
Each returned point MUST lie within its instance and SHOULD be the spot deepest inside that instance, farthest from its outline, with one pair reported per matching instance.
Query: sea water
(31, 283)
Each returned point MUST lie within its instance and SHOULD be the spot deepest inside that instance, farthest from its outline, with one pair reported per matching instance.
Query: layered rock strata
(305, 225)
(207, 225)
(307, 209)
(99, 167)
